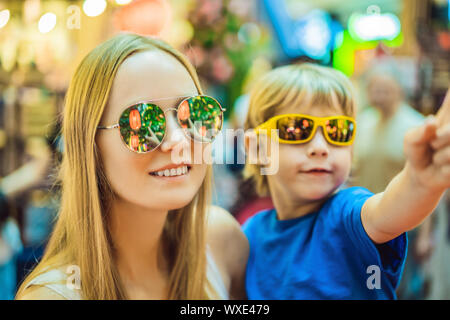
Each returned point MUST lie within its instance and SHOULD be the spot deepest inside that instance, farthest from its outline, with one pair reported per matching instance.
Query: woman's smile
(172, 174)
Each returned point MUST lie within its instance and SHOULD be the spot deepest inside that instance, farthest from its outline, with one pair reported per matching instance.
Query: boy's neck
(287, 209)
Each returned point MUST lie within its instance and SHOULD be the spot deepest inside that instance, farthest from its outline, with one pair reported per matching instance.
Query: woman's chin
(175, 203)
(177, 206)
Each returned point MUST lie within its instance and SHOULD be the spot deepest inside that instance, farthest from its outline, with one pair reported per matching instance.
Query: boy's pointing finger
(442, 137)
(442, 157)
(422, 134)
(443, 115)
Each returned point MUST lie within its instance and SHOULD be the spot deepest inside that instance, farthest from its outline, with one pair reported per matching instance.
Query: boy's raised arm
(415, 192)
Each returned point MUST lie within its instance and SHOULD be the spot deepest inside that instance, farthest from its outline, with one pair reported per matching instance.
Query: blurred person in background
(10, 246)
(433, 67)
(381, 128)
(40, 203)
(12, 187)
(379, 156)
(439, 261)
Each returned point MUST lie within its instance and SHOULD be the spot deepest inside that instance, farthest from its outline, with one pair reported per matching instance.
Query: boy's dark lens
(142, 127)
(294, 128)
(340, 130)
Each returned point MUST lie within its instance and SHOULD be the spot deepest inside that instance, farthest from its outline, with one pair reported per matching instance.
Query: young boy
(322, 241)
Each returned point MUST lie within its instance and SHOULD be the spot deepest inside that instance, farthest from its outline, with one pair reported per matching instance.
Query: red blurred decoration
(252, 207)
(135, 119)
(183, 111)
(203, 131)
(134, 142)
(145, 17)
(381, 50)
(444, 40)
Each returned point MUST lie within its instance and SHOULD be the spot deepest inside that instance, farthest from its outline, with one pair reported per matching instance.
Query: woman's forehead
(149, 75)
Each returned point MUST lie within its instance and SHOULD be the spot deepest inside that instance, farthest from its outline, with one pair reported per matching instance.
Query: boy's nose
(318, 146)
(174, 134)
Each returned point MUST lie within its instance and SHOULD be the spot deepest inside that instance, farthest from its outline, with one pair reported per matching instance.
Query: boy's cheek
(285, 161)
(351, 156)
(345, 161)
(290, 157)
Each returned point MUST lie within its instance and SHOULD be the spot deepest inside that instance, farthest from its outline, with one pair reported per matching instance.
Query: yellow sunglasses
(301, 128)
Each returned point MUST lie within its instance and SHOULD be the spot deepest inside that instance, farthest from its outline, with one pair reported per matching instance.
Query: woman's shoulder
(223, 228)
(36, 292)
(229, 247)
(52, 284)
(218, 215)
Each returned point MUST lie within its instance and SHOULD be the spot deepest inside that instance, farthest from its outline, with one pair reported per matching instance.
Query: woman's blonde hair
(294, 85)
(81, 235)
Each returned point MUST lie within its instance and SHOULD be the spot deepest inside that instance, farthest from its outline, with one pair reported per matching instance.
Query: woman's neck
(137, 236)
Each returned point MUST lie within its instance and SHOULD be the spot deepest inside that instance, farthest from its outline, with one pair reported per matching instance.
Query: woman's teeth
(171, 172)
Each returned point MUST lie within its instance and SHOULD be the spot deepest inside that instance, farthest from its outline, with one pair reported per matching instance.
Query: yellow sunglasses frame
(271, 124)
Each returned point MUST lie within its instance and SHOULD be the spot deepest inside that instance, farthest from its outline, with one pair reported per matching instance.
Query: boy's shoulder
(349, 192)
(344, 205)
(342, 201)
(348, 195)
(342, 195)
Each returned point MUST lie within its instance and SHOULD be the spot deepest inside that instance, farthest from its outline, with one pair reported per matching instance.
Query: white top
(56, 279)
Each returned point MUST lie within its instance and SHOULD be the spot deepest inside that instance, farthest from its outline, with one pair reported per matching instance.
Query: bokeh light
(145, 17)
(4, 17)
(93, 8)
(47, 22)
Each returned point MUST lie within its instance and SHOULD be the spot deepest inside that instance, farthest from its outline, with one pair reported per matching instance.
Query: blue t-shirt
(322, 255)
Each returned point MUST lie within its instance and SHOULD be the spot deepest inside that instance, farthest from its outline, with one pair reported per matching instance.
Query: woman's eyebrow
(177, 101)
(175, 104)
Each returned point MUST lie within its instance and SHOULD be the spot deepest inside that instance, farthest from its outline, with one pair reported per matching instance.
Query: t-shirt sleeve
(390, 256)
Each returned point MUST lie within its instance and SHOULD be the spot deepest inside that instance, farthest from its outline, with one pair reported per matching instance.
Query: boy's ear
(250, 137)
(251, 146)
(262, 151)
(256, 147)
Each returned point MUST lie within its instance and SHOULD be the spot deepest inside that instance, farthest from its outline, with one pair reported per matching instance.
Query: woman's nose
(175, 136)
(318, 146)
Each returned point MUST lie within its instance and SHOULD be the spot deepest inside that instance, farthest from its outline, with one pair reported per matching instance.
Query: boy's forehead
(317, 110)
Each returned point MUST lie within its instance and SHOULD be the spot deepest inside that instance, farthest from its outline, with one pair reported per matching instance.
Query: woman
(134, 223)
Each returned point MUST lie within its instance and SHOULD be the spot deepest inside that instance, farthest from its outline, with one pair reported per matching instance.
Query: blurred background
(396, 52)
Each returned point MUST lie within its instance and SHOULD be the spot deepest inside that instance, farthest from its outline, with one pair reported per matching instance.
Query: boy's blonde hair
(285, 86)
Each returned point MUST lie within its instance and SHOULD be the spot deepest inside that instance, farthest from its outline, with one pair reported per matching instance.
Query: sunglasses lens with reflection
(142, 127)
(340, 130)
(295, 128)
(201, 117)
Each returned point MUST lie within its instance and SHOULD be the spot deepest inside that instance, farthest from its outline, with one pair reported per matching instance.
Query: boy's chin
(315, 194)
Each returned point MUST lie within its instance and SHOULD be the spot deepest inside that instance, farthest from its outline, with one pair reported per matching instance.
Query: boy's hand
(415, 192)
(427, 150)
